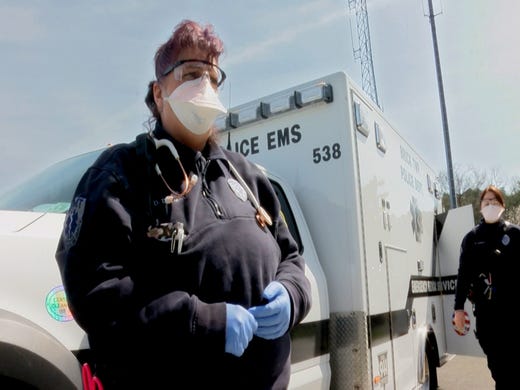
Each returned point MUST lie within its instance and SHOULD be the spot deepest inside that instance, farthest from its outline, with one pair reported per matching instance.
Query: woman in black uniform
(174, 256)
(488, 275)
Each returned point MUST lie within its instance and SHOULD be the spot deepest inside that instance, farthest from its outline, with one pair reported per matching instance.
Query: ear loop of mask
(189, 182)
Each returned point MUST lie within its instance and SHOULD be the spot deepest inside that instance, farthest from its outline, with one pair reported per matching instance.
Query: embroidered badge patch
(238, 190)
(74, 220)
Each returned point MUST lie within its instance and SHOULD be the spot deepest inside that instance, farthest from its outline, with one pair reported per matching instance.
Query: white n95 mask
(196, 104)
(492, 213)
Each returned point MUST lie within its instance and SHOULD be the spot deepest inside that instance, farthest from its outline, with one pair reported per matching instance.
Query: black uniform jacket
(489, 267)
(156, 317)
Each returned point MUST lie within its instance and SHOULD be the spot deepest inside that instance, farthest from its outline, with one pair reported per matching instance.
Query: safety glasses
(185, 70)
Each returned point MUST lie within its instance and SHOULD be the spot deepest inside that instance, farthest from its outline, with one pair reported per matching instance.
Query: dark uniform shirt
(489, 274)
(155, 314)
(488, 266)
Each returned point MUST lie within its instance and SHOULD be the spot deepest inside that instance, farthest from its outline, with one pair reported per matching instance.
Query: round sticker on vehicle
(56, 305)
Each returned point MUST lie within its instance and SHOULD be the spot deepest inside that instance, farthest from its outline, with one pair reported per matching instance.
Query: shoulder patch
(73, 221)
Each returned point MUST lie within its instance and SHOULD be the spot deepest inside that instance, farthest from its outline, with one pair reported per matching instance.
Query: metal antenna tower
(364, 52)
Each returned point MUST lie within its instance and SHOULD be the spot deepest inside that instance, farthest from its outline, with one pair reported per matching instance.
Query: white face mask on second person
(196, 104)
(492, 213)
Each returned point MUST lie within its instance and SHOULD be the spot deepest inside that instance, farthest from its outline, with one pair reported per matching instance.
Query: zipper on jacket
(212, 202)
(206, 193)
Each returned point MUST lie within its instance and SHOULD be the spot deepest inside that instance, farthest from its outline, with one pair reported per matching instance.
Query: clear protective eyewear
(185, 70)
(490, 201)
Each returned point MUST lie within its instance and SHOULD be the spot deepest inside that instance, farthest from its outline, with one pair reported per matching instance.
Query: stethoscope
(262, 216)
(188, 182)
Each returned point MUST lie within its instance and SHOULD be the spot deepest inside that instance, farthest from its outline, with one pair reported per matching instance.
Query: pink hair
(187, 34)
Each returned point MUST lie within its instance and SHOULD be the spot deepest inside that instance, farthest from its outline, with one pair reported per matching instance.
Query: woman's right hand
(459, 320)
(240, 327)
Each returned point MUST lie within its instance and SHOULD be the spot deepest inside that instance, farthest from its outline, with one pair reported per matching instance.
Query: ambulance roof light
(274, 105)
(313, 94)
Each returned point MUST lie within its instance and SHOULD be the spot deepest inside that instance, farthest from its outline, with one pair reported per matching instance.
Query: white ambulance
(365, 208)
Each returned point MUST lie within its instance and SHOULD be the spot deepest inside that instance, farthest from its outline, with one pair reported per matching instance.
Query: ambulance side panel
(369, 202)
(398, 207)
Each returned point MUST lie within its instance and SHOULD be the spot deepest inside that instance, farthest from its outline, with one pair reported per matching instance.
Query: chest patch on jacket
(237, 189)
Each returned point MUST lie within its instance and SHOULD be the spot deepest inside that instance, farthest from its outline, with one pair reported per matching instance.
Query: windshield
(50, 190)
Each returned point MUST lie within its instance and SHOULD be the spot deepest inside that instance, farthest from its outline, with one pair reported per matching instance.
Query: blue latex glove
(273, 318)
(240, 327)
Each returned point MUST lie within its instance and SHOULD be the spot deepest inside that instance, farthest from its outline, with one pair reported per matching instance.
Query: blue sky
(73, 75)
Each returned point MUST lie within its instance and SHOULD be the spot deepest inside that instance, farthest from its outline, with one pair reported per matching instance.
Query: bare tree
(512, 214)
(497, 178)
(469, 182)
(469, 177)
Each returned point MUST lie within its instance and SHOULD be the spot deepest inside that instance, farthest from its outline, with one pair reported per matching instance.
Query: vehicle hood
(30, 281)
(16, 221)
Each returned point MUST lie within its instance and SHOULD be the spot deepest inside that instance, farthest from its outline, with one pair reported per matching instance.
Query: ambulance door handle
(391, 247)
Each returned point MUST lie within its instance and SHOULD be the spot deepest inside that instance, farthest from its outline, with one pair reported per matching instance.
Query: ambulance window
(360, 119)
(380, 139)
(436, 191)
(288, 215)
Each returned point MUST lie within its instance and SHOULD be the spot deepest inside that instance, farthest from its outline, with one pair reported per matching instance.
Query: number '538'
(325, 153)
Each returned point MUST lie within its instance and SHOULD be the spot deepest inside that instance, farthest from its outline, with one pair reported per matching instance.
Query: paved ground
(465, 373)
